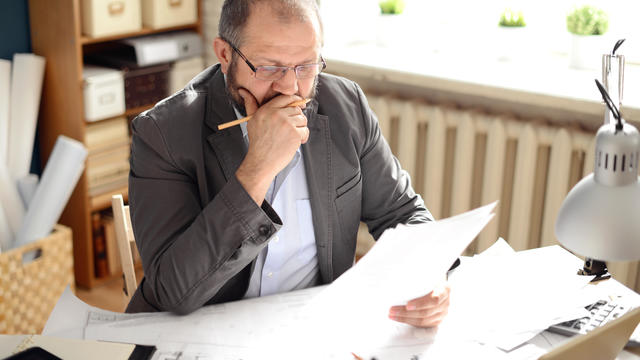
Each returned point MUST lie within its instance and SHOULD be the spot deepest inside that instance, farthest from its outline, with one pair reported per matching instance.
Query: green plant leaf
(587, 20)
(391, 6)
(511, 18)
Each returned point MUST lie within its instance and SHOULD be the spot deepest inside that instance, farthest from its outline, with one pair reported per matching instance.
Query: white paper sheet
(59, 178)
(5, 96)
(26, 88)
(514, 297)
(407, 262)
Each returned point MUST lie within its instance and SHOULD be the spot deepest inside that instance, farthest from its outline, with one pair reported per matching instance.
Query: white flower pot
(512, 43)
(390, 30)
(586, 51)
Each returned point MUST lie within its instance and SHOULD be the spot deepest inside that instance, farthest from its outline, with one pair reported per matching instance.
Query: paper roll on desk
(5, 86)
(58, 180)
(26, 87)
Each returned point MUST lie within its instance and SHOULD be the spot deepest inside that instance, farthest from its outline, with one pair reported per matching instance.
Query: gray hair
(235, 13)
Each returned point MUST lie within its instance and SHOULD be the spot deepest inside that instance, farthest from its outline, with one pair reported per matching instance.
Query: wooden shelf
(130, 112)
(103, 201)
(56, 35)
(85, 40)
(138, 110)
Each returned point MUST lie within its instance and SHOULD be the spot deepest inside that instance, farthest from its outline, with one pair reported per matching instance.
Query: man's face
(269, 41)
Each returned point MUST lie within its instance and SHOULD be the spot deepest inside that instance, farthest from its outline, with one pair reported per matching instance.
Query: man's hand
(276, 131)
(426, 311)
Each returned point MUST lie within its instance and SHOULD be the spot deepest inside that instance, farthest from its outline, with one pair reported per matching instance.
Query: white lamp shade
(601, 222)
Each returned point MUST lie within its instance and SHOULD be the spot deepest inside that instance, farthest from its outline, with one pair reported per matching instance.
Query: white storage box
(183, 71)
(103, 90)
(110, 17)
(166, 13)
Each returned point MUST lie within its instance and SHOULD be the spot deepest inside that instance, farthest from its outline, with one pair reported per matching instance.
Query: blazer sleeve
(388, 198)
(189, 251)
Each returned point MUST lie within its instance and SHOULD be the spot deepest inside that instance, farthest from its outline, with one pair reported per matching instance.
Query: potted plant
(587, 24)
(391, 7)
(512, 19)
(511, 35)
(390, 22)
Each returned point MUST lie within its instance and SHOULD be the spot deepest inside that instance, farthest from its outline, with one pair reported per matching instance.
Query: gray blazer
(197, 229)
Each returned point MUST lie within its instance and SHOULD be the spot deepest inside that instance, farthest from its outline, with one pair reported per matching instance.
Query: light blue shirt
(289, 261)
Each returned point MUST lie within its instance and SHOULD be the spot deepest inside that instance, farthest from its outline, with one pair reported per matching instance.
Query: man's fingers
(250, 102)
(433, 299)
(401, 311)
(283, 101)
(430, 321)
(304, 134)
(298, 120)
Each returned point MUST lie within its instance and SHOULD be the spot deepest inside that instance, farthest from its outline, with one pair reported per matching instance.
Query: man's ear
(223, 52)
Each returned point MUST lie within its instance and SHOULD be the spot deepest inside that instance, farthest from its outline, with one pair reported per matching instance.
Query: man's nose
(288, 85)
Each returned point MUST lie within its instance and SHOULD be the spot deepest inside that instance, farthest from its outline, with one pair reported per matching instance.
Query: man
(274, 204)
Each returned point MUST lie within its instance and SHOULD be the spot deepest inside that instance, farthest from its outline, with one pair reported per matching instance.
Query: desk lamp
(600, 217)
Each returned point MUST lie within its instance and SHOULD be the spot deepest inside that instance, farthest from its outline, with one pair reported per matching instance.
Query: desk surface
(250, 327)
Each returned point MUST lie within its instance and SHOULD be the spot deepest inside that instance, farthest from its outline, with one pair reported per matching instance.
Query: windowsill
(542, 82)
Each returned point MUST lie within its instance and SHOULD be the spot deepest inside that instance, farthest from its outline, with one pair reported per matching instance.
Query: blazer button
(264, 230)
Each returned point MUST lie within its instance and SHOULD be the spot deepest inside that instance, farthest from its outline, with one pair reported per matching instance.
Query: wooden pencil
(244, 119)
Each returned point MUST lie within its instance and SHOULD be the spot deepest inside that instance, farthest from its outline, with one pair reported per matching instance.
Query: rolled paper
(59, 178)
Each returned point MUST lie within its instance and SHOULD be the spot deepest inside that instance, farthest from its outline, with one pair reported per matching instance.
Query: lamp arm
(610, 105)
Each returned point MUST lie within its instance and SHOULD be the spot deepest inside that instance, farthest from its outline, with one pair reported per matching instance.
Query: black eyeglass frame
(283, 68)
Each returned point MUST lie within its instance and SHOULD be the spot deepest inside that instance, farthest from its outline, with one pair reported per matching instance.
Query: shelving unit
(56, 34)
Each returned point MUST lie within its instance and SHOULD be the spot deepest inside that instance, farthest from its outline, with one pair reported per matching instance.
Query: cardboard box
(158, 14)
(110, 17)
(103, 90)
(182, 71)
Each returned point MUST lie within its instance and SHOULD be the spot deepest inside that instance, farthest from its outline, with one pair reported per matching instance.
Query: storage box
(103, 93)
(183, 71)
(110, 17)
(166, 13)
(146, 85)
(29, 291)
(162, 48)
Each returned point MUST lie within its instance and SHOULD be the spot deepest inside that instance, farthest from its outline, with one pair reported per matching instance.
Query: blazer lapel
(227, 144)
(317, 161)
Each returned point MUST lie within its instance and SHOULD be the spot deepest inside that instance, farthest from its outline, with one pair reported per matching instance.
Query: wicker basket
(29, 291)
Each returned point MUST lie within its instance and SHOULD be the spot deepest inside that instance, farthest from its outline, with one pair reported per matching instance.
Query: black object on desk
(33, 353)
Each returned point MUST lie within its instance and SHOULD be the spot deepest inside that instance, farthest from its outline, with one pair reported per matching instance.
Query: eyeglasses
(275, 73)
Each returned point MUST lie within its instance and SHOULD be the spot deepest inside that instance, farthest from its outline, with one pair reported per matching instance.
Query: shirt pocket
(305, 229)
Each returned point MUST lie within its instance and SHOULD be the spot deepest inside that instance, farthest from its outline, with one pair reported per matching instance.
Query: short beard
(238, 102)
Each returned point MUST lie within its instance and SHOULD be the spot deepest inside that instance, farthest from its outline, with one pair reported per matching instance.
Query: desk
(254, 328)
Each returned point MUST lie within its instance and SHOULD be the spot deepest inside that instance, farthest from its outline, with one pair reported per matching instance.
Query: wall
(15, 37)
(14, 28)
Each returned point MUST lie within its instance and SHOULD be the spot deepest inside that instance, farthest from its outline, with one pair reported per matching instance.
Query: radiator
(460, 159)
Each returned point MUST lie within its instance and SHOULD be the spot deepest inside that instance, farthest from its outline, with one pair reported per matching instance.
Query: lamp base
(595, 267)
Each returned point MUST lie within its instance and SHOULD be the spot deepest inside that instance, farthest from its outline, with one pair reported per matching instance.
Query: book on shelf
(107, 134)
(101, 266)
(110, 186)
(107, 173)
(116, 153)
